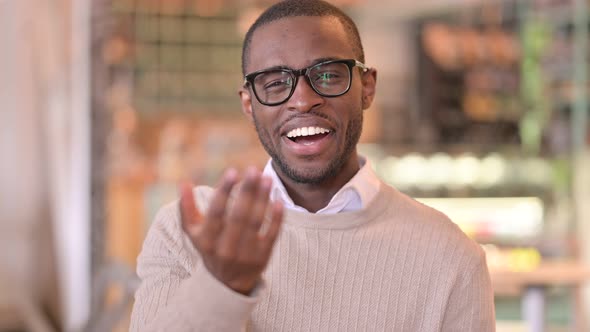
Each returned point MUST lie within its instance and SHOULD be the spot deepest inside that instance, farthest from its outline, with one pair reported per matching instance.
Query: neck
(315, 196)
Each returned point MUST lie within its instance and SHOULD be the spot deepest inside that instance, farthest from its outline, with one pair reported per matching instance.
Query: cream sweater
(395, 266)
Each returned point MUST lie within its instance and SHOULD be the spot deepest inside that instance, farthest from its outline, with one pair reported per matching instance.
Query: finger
(260, 204)
(268, 234)
(217, 207)
(239, 215)
(258, 211)
(189, 213)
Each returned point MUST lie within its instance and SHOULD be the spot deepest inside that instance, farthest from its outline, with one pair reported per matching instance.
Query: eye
(326, 76)
(273, 82)
(278, 84)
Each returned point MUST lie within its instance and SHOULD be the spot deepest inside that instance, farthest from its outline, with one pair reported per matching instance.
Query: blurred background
(105, 105)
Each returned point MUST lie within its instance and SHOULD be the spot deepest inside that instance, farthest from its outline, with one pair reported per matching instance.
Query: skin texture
(235, 240)
(297, 42)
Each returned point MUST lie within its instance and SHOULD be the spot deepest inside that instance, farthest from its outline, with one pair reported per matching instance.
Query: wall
(25, 236)
(44, 175)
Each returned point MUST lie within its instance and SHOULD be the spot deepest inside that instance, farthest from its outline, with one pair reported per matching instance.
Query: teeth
(307, 131)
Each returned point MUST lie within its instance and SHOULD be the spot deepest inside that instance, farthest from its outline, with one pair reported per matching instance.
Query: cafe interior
(482, 112)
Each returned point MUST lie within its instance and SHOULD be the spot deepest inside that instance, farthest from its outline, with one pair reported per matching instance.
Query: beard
(313, 175)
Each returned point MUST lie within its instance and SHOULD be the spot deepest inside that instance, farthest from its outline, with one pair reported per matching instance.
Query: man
(316, 242)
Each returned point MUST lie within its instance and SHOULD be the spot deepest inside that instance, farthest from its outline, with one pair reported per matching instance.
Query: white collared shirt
(353, 196)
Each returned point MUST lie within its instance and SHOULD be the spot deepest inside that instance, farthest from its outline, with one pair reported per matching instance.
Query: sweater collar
(353, 196)
(385, 199)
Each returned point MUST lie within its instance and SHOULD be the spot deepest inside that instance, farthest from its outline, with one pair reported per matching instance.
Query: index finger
(189, 213)
(221, 195)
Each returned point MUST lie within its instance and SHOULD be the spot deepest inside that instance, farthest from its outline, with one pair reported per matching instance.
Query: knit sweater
(396, 265)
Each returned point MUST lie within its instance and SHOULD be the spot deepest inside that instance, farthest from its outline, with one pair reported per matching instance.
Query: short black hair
(295, 8)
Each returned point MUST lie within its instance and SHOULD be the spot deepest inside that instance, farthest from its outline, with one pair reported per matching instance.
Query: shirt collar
(353, 196)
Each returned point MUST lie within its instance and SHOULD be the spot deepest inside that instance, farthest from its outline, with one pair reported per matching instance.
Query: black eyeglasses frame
(296, 73)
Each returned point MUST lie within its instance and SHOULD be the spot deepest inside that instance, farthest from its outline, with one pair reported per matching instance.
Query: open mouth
(307, 135)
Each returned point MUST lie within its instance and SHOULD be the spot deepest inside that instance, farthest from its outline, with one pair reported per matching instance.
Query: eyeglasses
(328, 79)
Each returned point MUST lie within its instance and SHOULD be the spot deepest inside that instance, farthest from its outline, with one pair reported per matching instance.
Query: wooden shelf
(549, 273)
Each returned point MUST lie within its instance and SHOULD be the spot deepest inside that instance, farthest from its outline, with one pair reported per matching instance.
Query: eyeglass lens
(331, 79)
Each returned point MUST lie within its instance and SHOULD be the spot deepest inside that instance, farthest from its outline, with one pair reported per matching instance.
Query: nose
(304, 98)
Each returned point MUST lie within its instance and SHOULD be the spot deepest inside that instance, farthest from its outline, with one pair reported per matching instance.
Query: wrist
(244, 288)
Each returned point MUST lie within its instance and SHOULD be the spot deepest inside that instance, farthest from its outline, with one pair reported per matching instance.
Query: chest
(354, 280)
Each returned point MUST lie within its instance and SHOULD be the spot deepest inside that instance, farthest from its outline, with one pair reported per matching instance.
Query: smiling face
(311, 139)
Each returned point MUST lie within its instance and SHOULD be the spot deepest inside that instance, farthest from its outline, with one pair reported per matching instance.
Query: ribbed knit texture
(395, 266)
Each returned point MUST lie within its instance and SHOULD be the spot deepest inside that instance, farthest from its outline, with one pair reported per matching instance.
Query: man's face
(298, 42)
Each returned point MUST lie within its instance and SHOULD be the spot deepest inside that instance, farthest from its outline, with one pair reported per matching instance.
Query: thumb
(189, 213)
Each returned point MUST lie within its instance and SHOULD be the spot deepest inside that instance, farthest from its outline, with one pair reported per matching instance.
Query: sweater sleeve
(471, 302)
(177, 292)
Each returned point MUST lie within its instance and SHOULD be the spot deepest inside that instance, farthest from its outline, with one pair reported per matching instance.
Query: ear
(369, 80)
(246, 101)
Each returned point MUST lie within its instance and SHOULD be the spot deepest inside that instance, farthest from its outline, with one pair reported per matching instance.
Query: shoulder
(435, 232)
(167, 220)
(166, 237)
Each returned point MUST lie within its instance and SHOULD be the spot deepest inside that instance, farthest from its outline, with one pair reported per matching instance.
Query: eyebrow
(314, 62)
